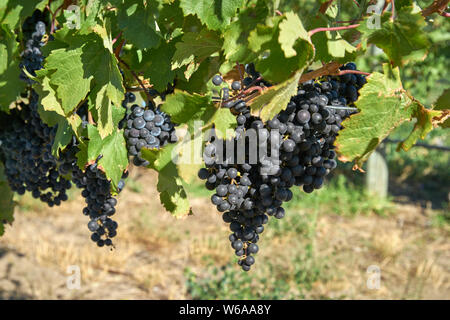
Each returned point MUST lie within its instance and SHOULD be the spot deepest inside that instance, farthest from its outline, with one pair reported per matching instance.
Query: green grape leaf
(224, 121)
(291, 29)
(63, 137)
(215, 14)
(189, 154)
(170, 186)
(275, 98)
(199, 78)
(403, 39)
(187, 108)
(86, 66)
(170, 17)
(136, 20)
(270, 60)
(49, 102)
(113, 148)
(424, 124)
(10, 84)
(195, 47)
(158, 65)
(198, 111)
(235, 43)
(14, 12)
(383, 105)
(66, 82)
(6, 201)
(329, 45)
(443, 103)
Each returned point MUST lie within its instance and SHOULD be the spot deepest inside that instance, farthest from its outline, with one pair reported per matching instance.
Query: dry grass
(153, 250)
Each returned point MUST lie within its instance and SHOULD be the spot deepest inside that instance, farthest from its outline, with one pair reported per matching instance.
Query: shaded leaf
(136, 20)
(10, 84)
(196, 46)
(402, 40)
(215, 14)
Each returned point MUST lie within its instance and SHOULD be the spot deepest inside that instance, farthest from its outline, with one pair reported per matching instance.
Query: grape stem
(329, 69)
(52, 26)
(149, 97)
(253, 89)
(393, 10)
(119, 48)
(117, 38)
(342, 72)
(243, 93)
(238, 66)
(313, 31)
(90, 118)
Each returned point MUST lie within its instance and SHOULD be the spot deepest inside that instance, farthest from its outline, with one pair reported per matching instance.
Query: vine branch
(117, 37)
(52, 26)
(342, 72)
(329, 69)
(149, 97)
(118, 49)
(438, 6)
(313, 31)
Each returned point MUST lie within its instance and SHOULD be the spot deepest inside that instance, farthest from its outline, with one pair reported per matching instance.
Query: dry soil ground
(153, 250)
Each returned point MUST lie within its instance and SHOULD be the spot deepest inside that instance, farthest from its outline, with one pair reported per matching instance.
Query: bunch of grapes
(348, 85)
(293, 148)
(33, 29)
(26, 141)
(146, 127)
(96, 189)
(26, 144)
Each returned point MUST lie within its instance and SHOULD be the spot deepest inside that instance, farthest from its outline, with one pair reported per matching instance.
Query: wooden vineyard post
(377, 177)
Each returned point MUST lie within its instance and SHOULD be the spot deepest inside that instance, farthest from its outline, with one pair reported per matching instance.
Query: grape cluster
(347, 85)
(26, 141)
(33, 29)
(299, 151)
(25, 146)
(26, 150)
(96, 189)
(146, 127)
